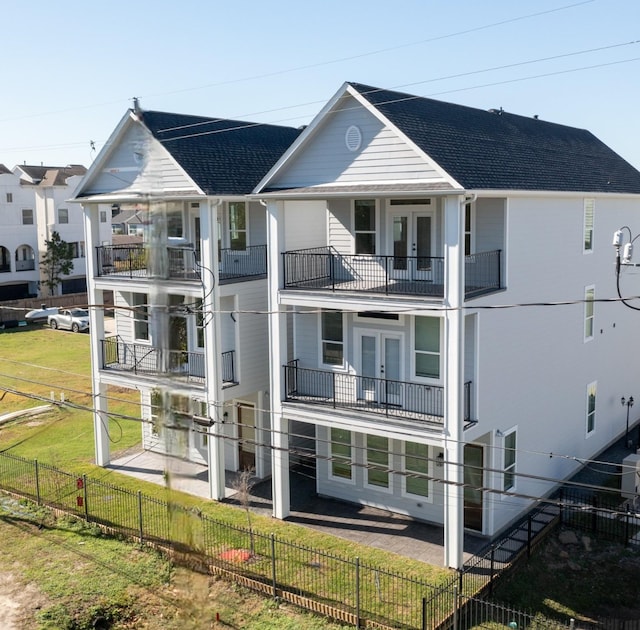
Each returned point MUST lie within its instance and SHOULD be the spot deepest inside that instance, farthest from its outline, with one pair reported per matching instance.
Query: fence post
(86, 505)
(273, 566)
(626, 527)
(357, 592)
(456, 600)
(140, 526)
(492, 570)
(594, 515)
(561, 506)
(424, 613)
(37, 481)
(529, 530)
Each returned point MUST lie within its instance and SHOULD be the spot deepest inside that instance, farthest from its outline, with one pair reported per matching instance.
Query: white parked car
(74, 319)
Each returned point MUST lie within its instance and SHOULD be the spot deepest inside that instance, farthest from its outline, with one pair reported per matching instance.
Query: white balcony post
(213, 355)
(277, 344)
(454, 381)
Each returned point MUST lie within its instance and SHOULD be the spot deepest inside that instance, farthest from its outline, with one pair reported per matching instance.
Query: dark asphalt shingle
(487, 150)
(224, 157)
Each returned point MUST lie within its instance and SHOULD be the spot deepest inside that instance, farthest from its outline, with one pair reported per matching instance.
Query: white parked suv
(75, 319)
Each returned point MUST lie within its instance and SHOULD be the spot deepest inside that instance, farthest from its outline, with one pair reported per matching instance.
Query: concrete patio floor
(361, 524)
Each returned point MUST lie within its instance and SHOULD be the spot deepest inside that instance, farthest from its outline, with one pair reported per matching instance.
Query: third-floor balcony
(179, 263)
(323, 268)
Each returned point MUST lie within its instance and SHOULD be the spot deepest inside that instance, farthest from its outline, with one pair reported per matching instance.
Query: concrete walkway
(361, 524)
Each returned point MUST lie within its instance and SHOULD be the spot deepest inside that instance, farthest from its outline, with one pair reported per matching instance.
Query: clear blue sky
(69, 70)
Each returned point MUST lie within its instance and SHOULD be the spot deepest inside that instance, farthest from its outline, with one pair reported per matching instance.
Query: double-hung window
(140, 316)
(509, 468)
(27, 216)
(377, 461)
(364, 222)
(589, 206)
(589, 296)
(332, 338)
(427, 347)
(591, 407)
(63, 215)
(237, 225)
(416, 467)
(341, 453)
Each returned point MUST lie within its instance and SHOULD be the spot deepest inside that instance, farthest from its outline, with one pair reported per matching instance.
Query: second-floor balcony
(389, 398)
(145, 360)
(25, 265)
(325, 269)
(179, 263)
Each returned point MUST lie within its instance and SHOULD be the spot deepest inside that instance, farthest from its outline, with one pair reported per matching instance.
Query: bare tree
(243, 484)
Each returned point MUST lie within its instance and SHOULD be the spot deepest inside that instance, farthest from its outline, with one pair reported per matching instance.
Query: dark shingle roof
(4, 170)
(498, 150)
(224, 157)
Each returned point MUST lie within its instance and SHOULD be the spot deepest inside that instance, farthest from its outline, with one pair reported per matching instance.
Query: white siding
(382, 156)
(340, 226)
(490, 224)
(156, 172)
(257, 224)
(305, 224)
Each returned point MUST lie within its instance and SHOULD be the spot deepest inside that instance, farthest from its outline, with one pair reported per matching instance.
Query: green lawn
(64, 438)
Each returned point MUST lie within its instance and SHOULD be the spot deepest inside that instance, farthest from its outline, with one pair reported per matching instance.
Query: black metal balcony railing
(134, 261)
(147, 360)
(5, 268)
(400, 399)
(324, 268)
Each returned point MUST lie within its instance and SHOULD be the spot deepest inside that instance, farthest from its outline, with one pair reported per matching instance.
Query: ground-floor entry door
(246, 437)
(473, 481)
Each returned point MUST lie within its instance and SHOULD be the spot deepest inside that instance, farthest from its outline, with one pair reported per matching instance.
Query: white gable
(351, 146)
(138, 164)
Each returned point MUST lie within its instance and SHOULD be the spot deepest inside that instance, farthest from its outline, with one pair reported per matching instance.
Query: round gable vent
(353, 138)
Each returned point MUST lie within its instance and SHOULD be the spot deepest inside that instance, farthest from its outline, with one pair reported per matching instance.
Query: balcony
(397, 399)
(145, 360)
(325, 269)
(181, 263)
(25, 265)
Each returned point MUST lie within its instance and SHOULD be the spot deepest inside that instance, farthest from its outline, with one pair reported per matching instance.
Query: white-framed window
(77, 249)
(140, 312)
(427, 347)
(364, 226)
(341, 449)
(509, 461)
(27, 216)
(332, 338)
(589, 206)
(377, 461)
(199, 322)
(589, 297)
(468, 227)
(103, 216)
(9, 197)
(591, 407)
(417, 469)
(155, 411)
(238, 225)
(175, 219)
(63, 215)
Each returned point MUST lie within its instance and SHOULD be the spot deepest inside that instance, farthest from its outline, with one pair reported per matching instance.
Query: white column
(454, 381)
(213, 356)
(95, 299)
(278, 351)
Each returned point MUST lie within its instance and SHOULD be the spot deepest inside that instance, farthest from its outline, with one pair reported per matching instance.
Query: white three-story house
(400, 229)
(190, 331)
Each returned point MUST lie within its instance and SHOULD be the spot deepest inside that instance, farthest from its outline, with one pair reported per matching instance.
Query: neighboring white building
(186, 336)
(399, 227)
(33, 204)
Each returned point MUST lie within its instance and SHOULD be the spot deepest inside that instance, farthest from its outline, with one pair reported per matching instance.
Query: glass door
(413, 244)
(380, 368)
(473, 481)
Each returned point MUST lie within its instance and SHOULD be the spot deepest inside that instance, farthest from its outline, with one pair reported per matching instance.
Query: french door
(413, 243)
(380, 367)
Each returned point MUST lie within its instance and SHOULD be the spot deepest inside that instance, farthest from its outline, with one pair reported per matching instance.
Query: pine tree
(56, 262)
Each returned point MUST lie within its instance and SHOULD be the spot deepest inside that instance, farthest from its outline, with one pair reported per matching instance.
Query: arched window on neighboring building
(5, 260)
(25, 258)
